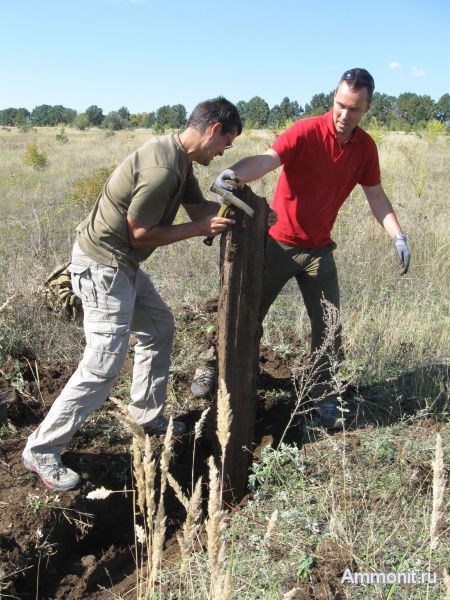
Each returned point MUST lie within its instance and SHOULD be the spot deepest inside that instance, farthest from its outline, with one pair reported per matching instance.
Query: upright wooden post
(242, 283)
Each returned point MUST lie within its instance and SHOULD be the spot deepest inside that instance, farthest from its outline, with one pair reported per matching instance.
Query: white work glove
(225, 176)
(402, 251)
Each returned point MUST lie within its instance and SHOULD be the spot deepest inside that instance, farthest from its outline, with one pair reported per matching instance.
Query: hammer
(228, 200)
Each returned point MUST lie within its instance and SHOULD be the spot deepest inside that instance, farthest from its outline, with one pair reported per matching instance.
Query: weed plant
(33, 157)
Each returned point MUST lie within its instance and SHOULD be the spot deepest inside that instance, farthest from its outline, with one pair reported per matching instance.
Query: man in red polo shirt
(323, 159)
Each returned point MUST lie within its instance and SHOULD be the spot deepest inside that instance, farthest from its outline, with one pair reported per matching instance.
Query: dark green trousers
(316, 275)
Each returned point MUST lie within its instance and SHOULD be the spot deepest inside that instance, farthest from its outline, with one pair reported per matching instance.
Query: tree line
(408, 111)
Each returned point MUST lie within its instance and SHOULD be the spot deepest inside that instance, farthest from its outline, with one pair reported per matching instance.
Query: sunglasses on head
(366, 79)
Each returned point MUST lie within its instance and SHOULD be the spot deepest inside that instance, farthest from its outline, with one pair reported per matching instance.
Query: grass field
(366, 499)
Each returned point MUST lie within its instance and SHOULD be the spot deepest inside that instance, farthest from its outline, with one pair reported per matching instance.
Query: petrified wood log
(242, 284)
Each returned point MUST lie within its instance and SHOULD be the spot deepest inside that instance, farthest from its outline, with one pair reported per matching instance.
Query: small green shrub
(376, 131)
(26, 127)
(61, 137)
(86, 191)
(434, 130)
(34, 158)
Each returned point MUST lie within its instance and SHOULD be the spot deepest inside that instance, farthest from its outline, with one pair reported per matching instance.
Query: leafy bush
(34, 158)
(375, 130)
(86, 191)
(115, 121)
(62, 136)
(434, 130)
(26, 127)
(81, 122)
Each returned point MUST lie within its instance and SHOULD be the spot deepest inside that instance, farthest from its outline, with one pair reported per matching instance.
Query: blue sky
(144, 54)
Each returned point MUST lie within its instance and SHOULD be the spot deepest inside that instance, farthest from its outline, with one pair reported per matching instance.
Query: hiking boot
(55, 476)
(331, 416)
(203, 383)
(159, 427)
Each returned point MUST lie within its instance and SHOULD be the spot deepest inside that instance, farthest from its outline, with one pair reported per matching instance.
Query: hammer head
(230, 199)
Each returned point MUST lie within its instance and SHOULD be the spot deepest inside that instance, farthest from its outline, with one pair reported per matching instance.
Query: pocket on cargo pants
(82, 284)
(106, 347)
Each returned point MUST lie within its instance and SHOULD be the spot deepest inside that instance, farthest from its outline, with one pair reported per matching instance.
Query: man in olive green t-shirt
(132, 216)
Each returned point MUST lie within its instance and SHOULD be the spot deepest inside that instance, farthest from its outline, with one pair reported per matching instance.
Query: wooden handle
(209, 240)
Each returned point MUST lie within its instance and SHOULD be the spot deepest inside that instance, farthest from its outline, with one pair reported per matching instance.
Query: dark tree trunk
(242, 284)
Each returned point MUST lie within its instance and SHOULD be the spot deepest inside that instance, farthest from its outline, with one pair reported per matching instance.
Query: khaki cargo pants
(114, 305)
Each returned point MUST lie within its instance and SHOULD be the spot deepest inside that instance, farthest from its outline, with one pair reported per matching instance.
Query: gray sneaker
(203, 383)
(55, 476)
(159, 427)
(331, 416)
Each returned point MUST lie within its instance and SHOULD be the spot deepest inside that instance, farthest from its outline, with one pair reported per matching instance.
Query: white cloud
(394, 64)
(418, 72)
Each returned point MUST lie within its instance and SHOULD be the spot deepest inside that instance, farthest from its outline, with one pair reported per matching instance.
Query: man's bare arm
(204, 223)
(254, 167)
(382, 208)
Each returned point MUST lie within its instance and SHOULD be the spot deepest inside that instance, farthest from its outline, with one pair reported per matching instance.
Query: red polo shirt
(317, 177)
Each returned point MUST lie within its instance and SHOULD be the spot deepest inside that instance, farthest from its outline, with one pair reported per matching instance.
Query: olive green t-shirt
(149, 185)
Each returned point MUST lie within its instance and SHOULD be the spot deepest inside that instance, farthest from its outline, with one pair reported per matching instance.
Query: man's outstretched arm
(385, 215)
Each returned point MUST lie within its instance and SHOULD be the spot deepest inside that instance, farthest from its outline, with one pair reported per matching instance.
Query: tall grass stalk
(439, 481)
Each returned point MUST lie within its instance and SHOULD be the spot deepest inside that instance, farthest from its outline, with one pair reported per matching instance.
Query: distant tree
(442, 109)
(148, 119)
(55, 115)
(142, 120)
(413, 108)
(51, 116)
(136, 119)
(172, 117)
(242, 109)
(40, 115)
(115, 121)
(81, 122)
(69, 115)
(284, 112)
(163, 117)
(95, 115)
(292, 110)
(22, 116)
(10, 117)
(178, 116)
(319, 105)
(257, 113)
(382, 108)
(124, 113)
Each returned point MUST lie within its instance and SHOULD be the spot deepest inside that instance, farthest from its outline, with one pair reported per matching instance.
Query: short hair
(217, 110)
(357, 79)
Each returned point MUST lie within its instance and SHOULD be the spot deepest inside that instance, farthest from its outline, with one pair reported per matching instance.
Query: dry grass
(388, 321)
(372, 495)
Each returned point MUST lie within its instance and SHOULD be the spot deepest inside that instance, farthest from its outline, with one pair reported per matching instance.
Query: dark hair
(217, 110)
(357, 79)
